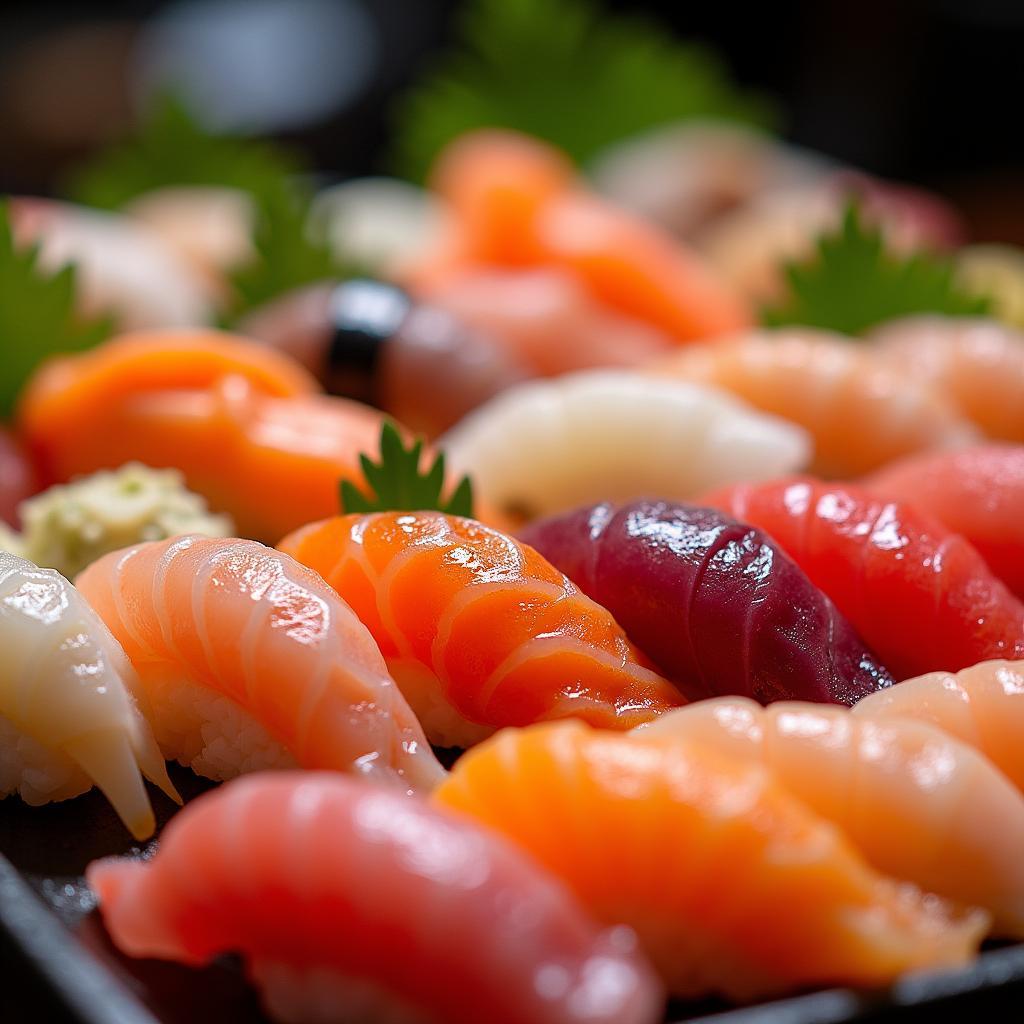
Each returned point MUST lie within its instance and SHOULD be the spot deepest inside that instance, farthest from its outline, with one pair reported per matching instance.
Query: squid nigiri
(977, 364)
(716, 604)
(244, 424)
(920, 595)
(68, 715)
(859, 412)
(919, 804)
(977, 492)
(356, 905)
(732, 884)
(479, 630)
(548, 446)
(248, 660)
(124, 269)
(518, 203)
(982, 705)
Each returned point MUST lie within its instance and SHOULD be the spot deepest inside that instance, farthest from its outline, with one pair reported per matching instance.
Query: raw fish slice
(479, 630)
(977, 364)
(731, 883)
(918, 804)
(518, 203)
(68, 717)
(977, 492)
(124, 269)
(243, 423)
(718, 606)
(548, 446)
(920, 595)
(982, 705)
(354, 905)
(859, 412)
(249, 660)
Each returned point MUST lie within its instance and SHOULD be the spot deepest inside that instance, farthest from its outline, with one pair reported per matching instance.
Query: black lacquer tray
(57, 965)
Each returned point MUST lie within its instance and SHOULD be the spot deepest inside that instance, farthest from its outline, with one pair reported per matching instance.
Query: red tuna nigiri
(692, 587)
(919, 594)
(978, 492)
(356, 904)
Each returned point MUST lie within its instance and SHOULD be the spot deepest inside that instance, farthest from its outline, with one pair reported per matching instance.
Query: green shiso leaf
(397, 484)
(566, 71)
(852, 283)
(37, 314)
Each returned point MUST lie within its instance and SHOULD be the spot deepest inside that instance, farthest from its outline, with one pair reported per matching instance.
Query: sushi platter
(581, 582)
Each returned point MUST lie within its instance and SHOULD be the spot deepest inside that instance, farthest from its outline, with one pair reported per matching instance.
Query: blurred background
(923, 92)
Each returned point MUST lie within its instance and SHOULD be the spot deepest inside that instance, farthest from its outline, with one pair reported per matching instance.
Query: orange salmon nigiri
(919, 804)
(982, 705)
(248, 660)
(517, 203)
(479, 630)
(920, 596)
(860, 412)
(245, 425)
(732, 884)
(978, 364)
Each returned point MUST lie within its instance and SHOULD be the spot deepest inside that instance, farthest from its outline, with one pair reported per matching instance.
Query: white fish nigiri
(919, 804)
(550, 445)
(68, 718)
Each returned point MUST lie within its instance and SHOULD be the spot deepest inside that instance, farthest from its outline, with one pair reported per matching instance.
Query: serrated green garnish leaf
(566, 71)
(285, 255)
(170, 148)
(398, 485)
(853, 282)
(37, 314)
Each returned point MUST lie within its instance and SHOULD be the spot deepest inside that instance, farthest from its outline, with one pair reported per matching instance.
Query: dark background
(926, 92)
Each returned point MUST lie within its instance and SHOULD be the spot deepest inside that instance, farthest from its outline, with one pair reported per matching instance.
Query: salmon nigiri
(977, 364)
(479, 630)
(244, 424)
(982, 705)
(716, 603)
(518, 203)
(859, 412)
(732, 884)
(355, 904)
(248, 660)
(920, 595)
(68, 715)
(919, 804)
(977, 492)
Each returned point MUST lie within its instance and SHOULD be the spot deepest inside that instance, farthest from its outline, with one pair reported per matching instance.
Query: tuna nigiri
(248, 660)
(479, 630)
(244, 424)
(920, 595)
(68, 717)
(982, 705)
(732, 884)
(977, 492)
(717, 604)
(518, 203)
(919, 804)
(977, 364)
(354, 904)
(17, 478)
(548, 446)
(859, 412)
